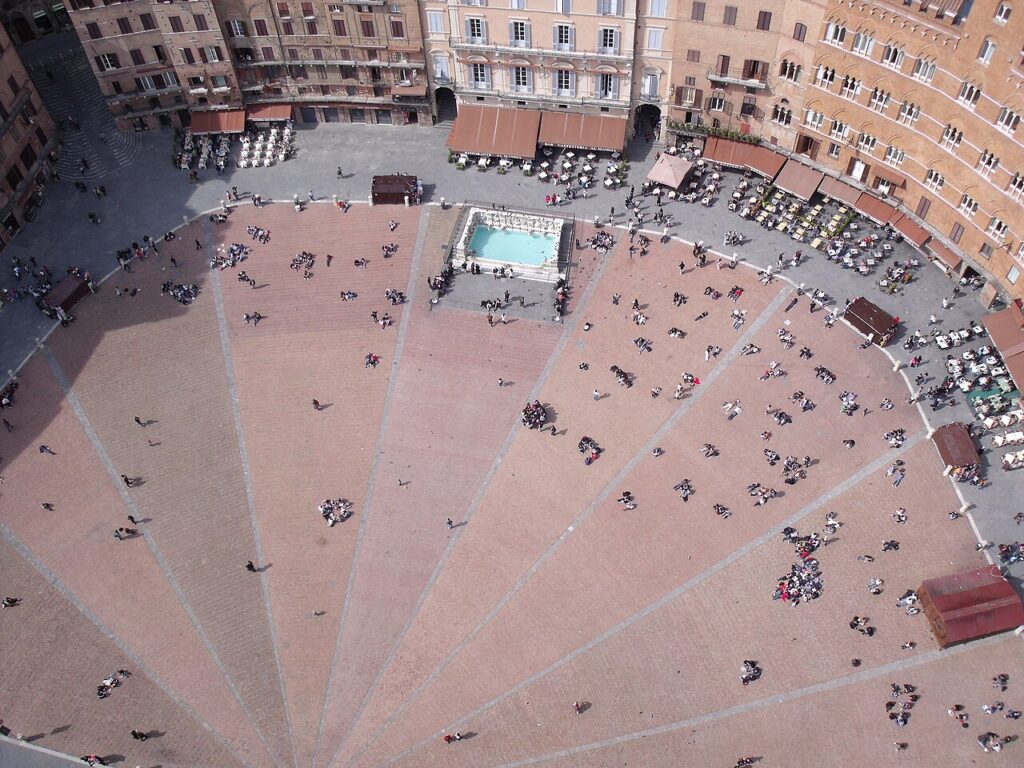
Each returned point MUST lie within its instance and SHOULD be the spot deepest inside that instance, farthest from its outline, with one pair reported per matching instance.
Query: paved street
(488, 578)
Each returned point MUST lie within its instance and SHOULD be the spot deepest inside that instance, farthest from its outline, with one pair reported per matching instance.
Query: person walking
(597, 395)
(199, 246)
(139, 735)
(449, 523)
(139, 422)
(250, 567)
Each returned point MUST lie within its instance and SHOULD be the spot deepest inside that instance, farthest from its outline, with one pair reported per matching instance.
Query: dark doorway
(447, 109)
(805, 145)
(22, 29)
(331, 115)
(412, 117)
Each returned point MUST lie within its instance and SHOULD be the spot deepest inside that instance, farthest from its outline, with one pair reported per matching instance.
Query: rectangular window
(367, 28)
(283, 11)
(311, 27)
(213, 53)
(693, 56)
(94, 30)
(137, 58)
(435, 22)
(480, 75)
(158, 51)
(834, 150)
(610, 7)
(196, 81)
(987, 51)
(339, 28)
(397, 29)
(729, 16)
(267, 54)
(516, 5)
(697, 11)
(608, 40)
(799, 32)
(200, 20)
(521, 79)
(287, 28)
(1012, 275)
(14, 177)
(654, 38)
(1002, 13)
(764, 20)
(986, 250)
(563, 82)
(307, 10)
(956, 233)
(124, 26)
(148, 22)
(235, 27)
(563, 37)
(607, 86)
(104, 62)
(658, 8)
(186, 55)
(176, 25)
(219, 81)
(814, 119)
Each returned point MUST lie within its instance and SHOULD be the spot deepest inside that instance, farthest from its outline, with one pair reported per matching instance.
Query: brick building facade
(27, 136)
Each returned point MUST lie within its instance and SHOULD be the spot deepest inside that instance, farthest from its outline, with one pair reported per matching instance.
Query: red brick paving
(48, 687)
(445, 423)
(298, 456)
(148, 356)
(76, 544)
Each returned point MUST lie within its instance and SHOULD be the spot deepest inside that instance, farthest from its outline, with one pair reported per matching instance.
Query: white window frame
(968, 206)
(612, 81)
(814, 119)
(987, 163)
(517, 5)
(1015, 189)
(824, 77)
(934, 180)
(879, 100)
(481, 29)
(515, 27)
(569, 43)
(108, 61)
(987, 51)
(863, 44)
(894, 156)
(646, 90)
(969, 95)
(835, 34)
(563, 83)
(479, 75)
(909, 113)
(657, 9)
(892, 57)
(237, 28)
(781, 115)
(563, 7)
(435, 22)
(655, 38)
(526, 86)
(924, 70)
(1002, 14)
(834, 150)
(212, 54)
(951, 137)
(866, 142)
(997, 228)
(602, 34)
(1007, 121)
(850, 87)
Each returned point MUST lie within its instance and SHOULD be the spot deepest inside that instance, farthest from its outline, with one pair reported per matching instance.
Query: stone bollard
(371, 200)
(406, 201)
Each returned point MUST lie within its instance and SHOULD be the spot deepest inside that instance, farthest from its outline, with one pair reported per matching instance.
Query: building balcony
(480, 44)
(745, 79)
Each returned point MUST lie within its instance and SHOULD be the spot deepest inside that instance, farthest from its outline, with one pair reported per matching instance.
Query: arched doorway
(647, 131)
(447, 109)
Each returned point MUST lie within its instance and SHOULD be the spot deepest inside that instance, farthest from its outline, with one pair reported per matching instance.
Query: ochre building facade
(916, 101)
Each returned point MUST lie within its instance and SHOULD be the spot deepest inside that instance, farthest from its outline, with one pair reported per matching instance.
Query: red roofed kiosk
(970, 605)
(874, 322)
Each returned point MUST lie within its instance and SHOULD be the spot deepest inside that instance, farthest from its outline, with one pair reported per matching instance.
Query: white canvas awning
(670, 170)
